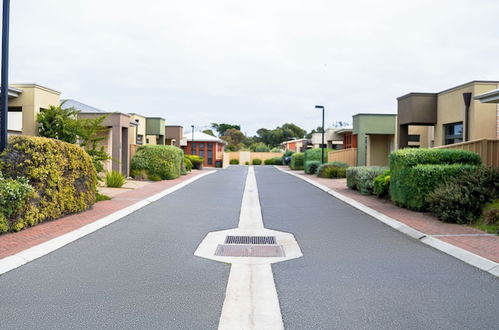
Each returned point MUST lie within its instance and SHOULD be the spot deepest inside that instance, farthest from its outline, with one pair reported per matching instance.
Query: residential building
(491, 97)
(25, 102)
(297, 145)
(155, 130)
(451, 116)
(211, 148)
(332, 140)
(137, 132)
(173, 135)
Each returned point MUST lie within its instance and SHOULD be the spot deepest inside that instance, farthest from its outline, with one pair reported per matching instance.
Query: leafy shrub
(101, 197)
(288, 153)
(115, 179)
(259, 147)
(315, 154)
(138, 174)
(331, 171)
(158, 161)
(491, 213)
(197, 161)
(362, 178)
(62, 176)
(417, 172)
(273, 161)
(154, 177)
(297, 161)
(257, 161)
(275, 150)
(14, 195)
(234, 161)
(187, 164)
(382, 184)
(339, 164)
(311, 166)
(246, 163)
(462, 198)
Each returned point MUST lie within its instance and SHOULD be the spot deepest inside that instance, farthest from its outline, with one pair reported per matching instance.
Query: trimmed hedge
(311, 166)
(297, 161)
(234, 161)
(361, 178)
(160, 162)
(62, 175)
(188, 164)
(315, 154)
(417, 172)
(462, 198)
(273, 161)
(257, 161)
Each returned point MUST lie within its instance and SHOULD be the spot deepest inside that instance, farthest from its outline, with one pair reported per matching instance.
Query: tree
(222, 128)
(90, 134)
(58, 123)
(209, 132)
(275, 137)
(259, 147)
(234, 139)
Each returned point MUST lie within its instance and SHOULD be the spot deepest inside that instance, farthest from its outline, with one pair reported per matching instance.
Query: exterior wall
(217, 151)
(366, 124)
(139, 130)
(348, 156)
(150, 140)
(488, 149)
(173, 134)
(155, 126)
(425, 136)
(482, 116)
(31, 100)
(379, 148)
(264, 155)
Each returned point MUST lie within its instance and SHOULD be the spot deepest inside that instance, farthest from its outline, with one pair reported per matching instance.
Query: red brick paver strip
(467, 238)
(13, 243)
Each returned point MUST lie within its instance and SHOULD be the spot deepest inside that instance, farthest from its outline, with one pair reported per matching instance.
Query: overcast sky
(254, 63)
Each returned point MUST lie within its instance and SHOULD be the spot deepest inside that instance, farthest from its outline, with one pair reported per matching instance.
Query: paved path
(141, 272)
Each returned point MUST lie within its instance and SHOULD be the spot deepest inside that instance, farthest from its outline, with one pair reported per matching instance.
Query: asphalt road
(140, 272)
(358, 273)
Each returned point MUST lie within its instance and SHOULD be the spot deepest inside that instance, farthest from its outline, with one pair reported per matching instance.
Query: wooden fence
(348, 156)
(488, 149)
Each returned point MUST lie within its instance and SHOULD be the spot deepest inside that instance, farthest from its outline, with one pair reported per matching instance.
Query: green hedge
(188, 164)
(311, 166)
(197, 161)
(234, 161)
(332, 170)
(417, 172)
(315, 154)
(62, 175)
(273, 161)
(382, 184)
(158, 161)
(297, 161)
(257, 161)
(361, 178)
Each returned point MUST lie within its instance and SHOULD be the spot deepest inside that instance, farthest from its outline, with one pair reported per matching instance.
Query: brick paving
(474, 240)
(13, 243)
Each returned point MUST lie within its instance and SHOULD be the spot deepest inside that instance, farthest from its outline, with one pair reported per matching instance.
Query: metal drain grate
(262, 251)
(250, 240)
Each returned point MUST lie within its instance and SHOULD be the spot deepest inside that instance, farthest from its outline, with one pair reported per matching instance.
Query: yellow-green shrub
(62, 176)
(159, 161)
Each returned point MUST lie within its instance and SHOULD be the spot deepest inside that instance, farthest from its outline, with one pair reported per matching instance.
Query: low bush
(410, 157)
(158, 161)
(461, 198)
(361, 178)
(234, 161)
(257, 161)
(311, 166)
(62, 175)
(14, 195)
(382, 184)
(187, 164)
(273, 161)
(288, 153)
(246, 163)
(197, 161)
(491, 213)
(102, 197)
(115, 179)
(332, 170)
(297, 161)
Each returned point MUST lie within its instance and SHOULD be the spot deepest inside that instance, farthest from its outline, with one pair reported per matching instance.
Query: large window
(413, 138)
(453, 133)
(210, 153)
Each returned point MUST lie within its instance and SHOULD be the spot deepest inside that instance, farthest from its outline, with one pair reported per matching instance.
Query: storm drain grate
(262, 251)
(250, 240)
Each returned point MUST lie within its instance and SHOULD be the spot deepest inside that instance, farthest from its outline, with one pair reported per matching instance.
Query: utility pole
(4, 90)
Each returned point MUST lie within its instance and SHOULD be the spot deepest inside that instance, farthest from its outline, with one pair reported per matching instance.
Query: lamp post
(4, 91)
(322, 145)
(193, 151)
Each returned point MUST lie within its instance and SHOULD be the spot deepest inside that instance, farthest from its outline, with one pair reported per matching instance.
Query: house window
(414, 138)
(193, 148)
(453, 133)
(139, 139)
(201, 149)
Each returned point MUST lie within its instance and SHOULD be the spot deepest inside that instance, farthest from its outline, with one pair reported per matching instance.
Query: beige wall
(379, 147)
(264, 155)
(31, 100)
(248, 156)
(139, 130)
(152, 140)
(425, 136)
(450, 109)
(348, 156)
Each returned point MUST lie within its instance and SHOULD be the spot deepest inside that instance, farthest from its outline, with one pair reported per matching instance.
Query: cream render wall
(31, 100)
(425, 136)
(483, 116)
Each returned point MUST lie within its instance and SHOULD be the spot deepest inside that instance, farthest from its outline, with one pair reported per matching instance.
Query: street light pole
(4, 90)
(322, 145)
(193, 151)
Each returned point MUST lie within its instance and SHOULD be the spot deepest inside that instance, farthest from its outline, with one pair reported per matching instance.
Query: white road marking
(251, 300)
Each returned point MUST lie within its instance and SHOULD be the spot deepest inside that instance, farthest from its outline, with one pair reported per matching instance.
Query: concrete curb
(14, 261)
(452, 250)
